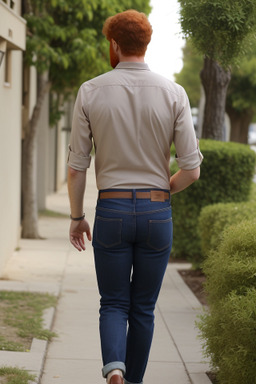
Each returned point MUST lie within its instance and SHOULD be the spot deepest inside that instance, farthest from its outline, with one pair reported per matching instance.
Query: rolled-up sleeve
(80, 145)
(76, 161)
(190, 161)
(188, 155)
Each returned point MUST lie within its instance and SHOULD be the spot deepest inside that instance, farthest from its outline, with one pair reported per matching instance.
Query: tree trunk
(29, 193)
(215, 81)
(240, 122)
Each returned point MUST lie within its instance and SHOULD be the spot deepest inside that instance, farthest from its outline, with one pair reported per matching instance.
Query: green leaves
(215, 218)
(65, 37)
(228, 329)
(235, 165)
(241, 94)
(218, 27)
(189, 76)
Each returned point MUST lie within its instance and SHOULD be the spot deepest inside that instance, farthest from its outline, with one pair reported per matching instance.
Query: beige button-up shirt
(132, 115)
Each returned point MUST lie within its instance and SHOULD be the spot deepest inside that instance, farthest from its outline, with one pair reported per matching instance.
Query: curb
(195, 371)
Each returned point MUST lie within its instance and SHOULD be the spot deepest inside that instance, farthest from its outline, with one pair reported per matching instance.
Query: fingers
(88, 234)
(78, 243)
(76, 234)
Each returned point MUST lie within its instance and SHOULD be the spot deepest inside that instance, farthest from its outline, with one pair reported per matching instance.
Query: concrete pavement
(52, 265)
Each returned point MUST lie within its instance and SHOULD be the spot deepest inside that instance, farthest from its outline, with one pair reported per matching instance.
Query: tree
(219, 29)
(241, 93)
(64, 41)
(241, 96)
(189, 76)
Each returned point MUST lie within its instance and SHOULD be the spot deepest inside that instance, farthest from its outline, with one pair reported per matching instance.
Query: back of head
(131, 30)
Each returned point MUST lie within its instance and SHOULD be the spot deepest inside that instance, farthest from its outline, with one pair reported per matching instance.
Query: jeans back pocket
(160, 234)
(108, 231)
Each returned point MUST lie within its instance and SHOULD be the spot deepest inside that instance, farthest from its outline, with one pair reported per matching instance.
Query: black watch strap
(77, 218)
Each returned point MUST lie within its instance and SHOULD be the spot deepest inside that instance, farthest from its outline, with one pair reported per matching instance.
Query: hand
(76, 234)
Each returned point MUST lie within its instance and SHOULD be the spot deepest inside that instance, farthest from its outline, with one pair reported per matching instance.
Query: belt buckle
(157, 196)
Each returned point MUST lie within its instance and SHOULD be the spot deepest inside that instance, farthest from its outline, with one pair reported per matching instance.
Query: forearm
(76, 188)
(182, 179)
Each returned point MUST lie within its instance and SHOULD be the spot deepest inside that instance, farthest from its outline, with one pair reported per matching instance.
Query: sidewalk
(52, 265)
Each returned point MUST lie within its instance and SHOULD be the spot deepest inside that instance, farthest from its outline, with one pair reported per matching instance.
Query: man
(133, 116)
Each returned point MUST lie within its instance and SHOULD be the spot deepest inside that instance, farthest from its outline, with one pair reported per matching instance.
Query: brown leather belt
(152, 195)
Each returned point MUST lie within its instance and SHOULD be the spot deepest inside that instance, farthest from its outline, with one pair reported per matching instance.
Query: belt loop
(134, 196)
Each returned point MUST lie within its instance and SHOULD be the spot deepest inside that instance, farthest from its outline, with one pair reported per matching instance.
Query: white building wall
(10, 158)
(12, 42)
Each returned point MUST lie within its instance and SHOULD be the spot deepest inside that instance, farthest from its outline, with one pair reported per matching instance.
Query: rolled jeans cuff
(111, 366)
(128, 382)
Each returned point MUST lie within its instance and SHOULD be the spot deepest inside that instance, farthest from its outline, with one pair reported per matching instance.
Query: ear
(115, 45)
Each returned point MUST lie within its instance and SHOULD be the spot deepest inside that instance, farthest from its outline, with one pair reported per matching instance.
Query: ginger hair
(131, 30)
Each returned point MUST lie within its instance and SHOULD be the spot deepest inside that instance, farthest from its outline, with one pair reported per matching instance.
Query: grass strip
(49, 213)
(21, 319)
(10, 375)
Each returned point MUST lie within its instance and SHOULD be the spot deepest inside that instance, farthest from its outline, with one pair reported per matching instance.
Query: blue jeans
(132, 240)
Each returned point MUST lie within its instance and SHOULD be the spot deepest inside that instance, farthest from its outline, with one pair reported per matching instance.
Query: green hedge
(228, 329)
(233, 265)
(226, 176)
(230, 334)
(215, 218)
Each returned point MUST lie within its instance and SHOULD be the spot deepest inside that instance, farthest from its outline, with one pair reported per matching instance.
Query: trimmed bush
(230, 334)
(253, 193)
(226, 176)
(228, 329)
(233, 265)
(215, 218)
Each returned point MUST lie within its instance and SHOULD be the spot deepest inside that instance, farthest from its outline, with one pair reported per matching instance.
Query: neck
(135, 59)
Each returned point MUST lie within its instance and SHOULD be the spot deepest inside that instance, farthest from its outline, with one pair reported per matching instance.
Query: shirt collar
(132, 65)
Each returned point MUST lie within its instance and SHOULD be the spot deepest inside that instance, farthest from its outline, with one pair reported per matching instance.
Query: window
(10, 3)
(8, 67)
